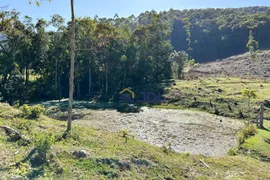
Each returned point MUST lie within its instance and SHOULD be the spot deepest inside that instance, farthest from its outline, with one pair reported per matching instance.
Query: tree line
(35, 62)
(115, 53)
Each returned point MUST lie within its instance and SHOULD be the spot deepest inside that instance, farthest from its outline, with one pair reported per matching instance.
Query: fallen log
(15, 133)
(204, 163)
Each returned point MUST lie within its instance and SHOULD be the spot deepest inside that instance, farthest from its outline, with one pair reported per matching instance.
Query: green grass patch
(258, 146)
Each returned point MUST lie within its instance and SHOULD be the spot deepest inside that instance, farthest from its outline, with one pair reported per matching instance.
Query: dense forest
(115, 53)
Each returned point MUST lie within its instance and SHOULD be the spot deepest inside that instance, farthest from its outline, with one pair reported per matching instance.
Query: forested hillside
(212, 33)
(220, 33)
(115, 53)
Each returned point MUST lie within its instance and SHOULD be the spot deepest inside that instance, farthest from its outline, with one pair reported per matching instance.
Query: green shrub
(128, 108)
(249, 130)
(26, 110)
(32, 111)
(241, 139)
(24, 125)
(43, 145)
(232, 152)
(167, 148)
(37, 111)
(74, 134)
(125, 133)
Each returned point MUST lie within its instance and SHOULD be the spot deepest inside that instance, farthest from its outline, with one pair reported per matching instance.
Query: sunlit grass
(259, 145)
(224, 94)
(109, 152)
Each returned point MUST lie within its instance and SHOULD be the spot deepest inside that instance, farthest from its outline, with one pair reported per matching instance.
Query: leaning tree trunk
(71, 78)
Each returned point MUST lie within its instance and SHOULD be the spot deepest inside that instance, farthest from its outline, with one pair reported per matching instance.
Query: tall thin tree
(71, 78)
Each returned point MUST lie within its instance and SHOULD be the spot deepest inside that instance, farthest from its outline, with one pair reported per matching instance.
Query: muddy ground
(186, 131)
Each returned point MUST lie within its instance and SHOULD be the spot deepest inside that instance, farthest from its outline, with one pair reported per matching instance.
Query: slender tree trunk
(102, 81)
(78, 89)
(90, 81)
(59, 87)
(5, 78)
(71, 78)
(26, 77)
(106, 69)
(56, 78)
(124, 76)
(77, 81)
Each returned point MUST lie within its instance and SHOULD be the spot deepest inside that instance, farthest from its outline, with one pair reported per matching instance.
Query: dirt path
(187, 131)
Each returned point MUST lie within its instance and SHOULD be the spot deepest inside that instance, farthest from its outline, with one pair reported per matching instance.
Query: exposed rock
(219, 90)
(15, 177)
(81, 154)
(267, 103)
(128, 108)
(124, 165)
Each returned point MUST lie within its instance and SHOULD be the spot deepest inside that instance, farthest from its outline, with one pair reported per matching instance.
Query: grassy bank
(258, 146)
(111, 157)
(220, 96)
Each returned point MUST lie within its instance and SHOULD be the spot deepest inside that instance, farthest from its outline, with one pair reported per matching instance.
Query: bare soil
(236, 66)
(186, 131)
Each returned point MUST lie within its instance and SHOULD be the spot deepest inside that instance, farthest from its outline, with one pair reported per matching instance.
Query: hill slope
(215, 33)
(236, 66)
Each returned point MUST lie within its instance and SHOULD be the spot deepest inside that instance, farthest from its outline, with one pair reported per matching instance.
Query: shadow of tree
(28, 157)
(37, 172)
(58, 109)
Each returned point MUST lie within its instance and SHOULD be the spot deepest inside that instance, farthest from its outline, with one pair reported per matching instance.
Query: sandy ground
(186, 131)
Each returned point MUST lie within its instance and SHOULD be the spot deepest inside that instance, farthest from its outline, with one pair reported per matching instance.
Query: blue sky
(124, 8)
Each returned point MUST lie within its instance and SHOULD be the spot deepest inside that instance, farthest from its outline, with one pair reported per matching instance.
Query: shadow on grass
(265, 129)
(37, 172)
(28, 157)
(105, 103)
(37, 168)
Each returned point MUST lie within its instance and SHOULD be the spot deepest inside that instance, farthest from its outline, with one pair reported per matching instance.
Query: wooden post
(261, 115)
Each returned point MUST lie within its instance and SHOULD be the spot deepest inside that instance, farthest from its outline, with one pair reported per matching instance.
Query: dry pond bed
(186, 131)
